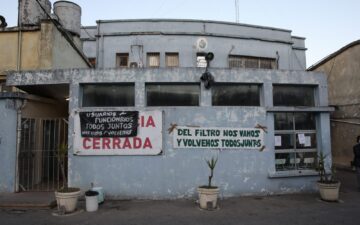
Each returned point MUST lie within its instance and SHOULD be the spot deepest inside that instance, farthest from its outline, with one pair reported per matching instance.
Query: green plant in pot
(208, 194)
(66, 197)
(328, 187)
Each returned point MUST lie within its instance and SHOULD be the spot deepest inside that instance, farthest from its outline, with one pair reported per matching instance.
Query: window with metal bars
(172, 59)
(122, 60)
(200, 59)
(295, 141)
(153, 59)
(238, 61)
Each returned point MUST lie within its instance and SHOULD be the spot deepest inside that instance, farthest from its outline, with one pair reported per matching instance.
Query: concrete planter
(329, 191)
(67, 199)
(208, 197)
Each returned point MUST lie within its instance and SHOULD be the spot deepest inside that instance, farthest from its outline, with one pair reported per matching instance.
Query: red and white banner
(147, 142)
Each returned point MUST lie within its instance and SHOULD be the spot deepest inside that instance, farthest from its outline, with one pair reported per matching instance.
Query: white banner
(218, 138)
(147, 142)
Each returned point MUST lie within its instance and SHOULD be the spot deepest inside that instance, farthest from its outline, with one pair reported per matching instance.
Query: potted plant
(208, 194)
(66, 197)
(328, 187)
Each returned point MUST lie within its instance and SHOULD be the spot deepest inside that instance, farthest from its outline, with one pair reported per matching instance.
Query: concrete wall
(176, 173)
(117, 36)
(9, 50)
(42, 47)
(8, 118)
(64, 56)
(343, 72)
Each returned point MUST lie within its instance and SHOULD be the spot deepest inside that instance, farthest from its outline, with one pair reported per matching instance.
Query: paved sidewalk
(287, 209)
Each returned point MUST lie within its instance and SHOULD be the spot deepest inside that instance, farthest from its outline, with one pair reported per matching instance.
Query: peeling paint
(178, 172)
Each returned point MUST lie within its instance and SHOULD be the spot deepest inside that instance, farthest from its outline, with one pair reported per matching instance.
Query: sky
(327, 25)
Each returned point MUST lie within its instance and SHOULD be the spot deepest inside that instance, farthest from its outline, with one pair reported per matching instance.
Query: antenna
(237, 11)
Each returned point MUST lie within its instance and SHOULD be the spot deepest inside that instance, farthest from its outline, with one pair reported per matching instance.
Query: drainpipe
(18, 61)
(19, 106)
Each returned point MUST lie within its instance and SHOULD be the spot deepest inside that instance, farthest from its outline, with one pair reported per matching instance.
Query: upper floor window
(107, 95)
(122, 60)
(165, 94)
(236, 94)
(172, 59)
(153, 59)
(200, 60)
(293, 95)
(238, 61)
(92, 61)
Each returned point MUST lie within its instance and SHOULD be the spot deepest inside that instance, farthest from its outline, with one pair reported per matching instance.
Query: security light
(207, 77)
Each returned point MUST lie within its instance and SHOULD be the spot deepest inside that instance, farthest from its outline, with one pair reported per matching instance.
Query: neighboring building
(30, 125)
(42, 47)
(182, 43)
(342, 69)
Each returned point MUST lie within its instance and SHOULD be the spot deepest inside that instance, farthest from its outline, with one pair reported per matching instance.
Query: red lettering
(116, 143)
(147, 143)
(127, 143)
(85, 143)
(96, 143)
(137, 142)
(150, 122)
(106, 143)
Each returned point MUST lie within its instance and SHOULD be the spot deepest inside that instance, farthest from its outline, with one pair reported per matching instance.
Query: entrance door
(39, 160)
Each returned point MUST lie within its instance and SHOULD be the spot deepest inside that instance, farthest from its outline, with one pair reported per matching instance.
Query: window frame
(81, 100)
(118, 59)
(199, 64)
(300, 86)
(294, 150)
(172, 54)
(147, 84)
(260, 91)
(152, 54)
(242, 61)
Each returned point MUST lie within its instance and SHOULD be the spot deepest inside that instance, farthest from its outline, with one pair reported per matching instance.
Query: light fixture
(207, 77)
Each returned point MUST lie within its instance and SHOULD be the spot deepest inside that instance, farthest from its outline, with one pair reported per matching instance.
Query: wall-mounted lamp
(207, 77)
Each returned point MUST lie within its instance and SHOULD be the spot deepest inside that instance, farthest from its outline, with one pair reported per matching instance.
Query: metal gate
(41, 167)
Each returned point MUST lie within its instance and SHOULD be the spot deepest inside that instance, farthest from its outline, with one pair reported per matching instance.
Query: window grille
(295, 141)
(172, 59)
(200, 60)
(238, 61)
(153, 59)
(122, 60)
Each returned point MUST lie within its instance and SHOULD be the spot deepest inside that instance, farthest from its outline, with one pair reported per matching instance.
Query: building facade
(342, 70)
(142, 124)
(265, 126)
(182, 43)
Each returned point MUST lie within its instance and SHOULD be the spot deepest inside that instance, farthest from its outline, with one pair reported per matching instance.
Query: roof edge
(332, 55)
(194, 21)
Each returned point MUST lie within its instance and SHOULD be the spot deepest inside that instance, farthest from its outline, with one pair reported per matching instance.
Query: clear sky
(327, 25)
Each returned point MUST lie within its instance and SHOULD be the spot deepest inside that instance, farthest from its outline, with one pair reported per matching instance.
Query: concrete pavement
(286, 209)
